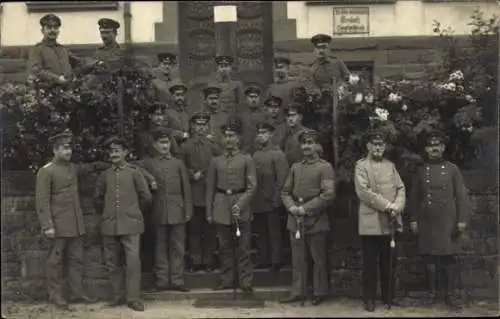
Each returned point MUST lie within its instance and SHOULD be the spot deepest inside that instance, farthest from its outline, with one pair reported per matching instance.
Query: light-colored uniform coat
(377, 185)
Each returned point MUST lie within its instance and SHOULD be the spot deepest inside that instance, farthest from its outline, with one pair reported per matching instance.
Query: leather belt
(231, 191)
(304, 200)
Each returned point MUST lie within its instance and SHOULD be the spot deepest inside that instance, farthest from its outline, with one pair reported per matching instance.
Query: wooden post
(335, 102)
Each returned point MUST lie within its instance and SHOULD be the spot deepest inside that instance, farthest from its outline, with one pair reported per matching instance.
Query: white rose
(404, 107)
(353, 79)
(470, 128)
(457, 75)
(369, 98)
(469, 98)
(382, 114)
(358, 98)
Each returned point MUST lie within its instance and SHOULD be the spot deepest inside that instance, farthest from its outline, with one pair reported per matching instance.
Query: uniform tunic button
(429, 195)
(428, 168)
(430, 203)
(442, 166)
(427, 181)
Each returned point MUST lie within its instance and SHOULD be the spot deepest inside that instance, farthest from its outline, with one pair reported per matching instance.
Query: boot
(454, 294)
(431, 295)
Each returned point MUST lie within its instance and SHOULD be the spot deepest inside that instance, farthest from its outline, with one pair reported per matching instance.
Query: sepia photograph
(249, 159)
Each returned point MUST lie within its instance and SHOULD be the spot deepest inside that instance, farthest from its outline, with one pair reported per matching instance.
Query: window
(60, 6)
(349, 2)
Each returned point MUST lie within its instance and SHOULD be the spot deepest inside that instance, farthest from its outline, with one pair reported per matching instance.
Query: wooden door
(254, 43)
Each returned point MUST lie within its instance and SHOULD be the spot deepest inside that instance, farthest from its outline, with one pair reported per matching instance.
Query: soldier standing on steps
(252, 115)
(50, 61)
(218, 116)
(382, 197)
(120, 196)
(60, 214)
(232, 91)
(172, 209)
(231, 184)
(272, 169)
(197, 153)
(177, 114)
(291, 144)
(438, 204)
(162, 77)
(272, 111)
(308, 190)
(283, 86)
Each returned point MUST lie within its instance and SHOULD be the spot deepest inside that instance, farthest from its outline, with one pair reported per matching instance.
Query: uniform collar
(59, 162)
(115, 45)
(222, 80)
(311, 160)
(231, 154)
(119, 167)
(438, 161)
(324, 61)
(50, 43)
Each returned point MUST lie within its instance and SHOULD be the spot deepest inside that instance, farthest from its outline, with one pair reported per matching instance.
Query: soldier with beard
(231, 184)
(197, 153)
(438, 205)
(177, 113)
(252, 115)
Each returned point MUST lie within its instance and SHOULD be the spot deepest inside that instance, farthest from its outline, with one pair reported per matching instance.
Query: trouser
(378, 247)
(244, 268)
(201, 239)
(72, 249)
(443, 275)
(113, 246)
(313, 245)
(169, 251)
(267, 226)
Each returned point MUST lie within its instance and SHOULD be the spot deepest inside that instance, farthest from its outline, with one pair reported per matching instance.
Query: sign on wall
(351, 20)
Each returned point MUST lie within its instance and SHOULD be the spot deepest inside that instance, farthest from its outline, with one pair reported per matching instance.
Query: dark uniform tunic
(272, 169)
(49, 60)
(58, 206)
(234, 172)
(113, 58)
(197, 153)
(217, 119)
(311, 181)
(291, 145)
(172, 208)
(438, 201)
(321, 73)
(178, 120)
(250, 120)
(120, 193)
(284, 90)
(231, 95)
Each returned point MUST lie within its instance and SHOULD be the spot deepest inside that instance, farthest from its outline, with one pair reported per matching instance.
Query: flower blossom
(369, 98)
(353, 79)
(404, 107)
(448, 86)
(394, 97)
(457, 75)
(382, 114)
(358, 98)
(469, 98)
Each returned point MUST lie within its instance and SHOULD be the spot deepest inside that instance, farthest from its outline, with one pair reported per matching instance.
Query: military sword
(298, 235)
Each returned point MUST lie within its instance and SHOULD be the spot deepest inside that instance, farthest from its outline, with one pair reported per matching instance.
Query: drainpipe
(127, 19)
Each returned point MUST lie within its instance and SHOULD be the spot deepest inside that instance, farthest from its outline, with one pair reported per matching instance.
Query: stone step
(201, 279)
(263, 293)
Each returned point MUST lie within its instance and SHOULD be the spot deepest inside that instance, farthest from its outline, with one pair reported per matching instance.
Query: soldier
(162, 77)
(172, 209)
(272, 110)
(156, 119)
(120, 195)
(318, 79)
(197, 153)
(290, 143)
(177, 113)
(283, 86)
(308, 190)
(252, 115)
(382, 197)
(438, 204)
(49, 61)
(231, 184)
(110, 57)
(272, 169)
(231, 95)
(218, 116)
(60, 215)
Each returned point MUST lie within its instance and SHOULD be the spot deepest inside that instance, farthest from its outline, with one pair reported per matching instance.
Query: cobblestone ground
(185, 309)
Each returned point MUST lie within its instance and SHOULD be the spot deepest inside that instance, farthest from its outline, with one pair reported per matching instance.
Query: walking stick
(392, 230)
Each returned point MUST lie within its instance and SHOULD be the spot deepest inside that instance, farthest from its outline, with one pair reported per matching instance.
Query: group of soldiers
(236, 165)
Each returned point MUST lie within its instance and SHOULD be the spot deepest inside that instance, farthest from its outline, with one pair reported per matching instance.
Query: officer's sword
(300, 235)
(392, 230)
(234, 240)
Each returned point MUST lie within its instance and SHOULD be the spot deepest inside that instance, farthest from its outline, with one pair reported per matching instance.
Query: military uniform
(231, 180)
(438, 202)
(280, 126)
(49, 60)
(272, 169)
(378, 185)
(218, 117)
(58, 207)
(177, 115)
(120, 195)
(232, 91)
(252, 115)
(291, 144)
(197, 153)
(162, 81)
(309, 184)
(284, 88)
(172, 208)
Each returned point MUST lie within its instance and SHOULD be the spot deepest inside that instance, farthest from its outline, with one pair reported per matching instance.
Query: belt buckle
(228, 192)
